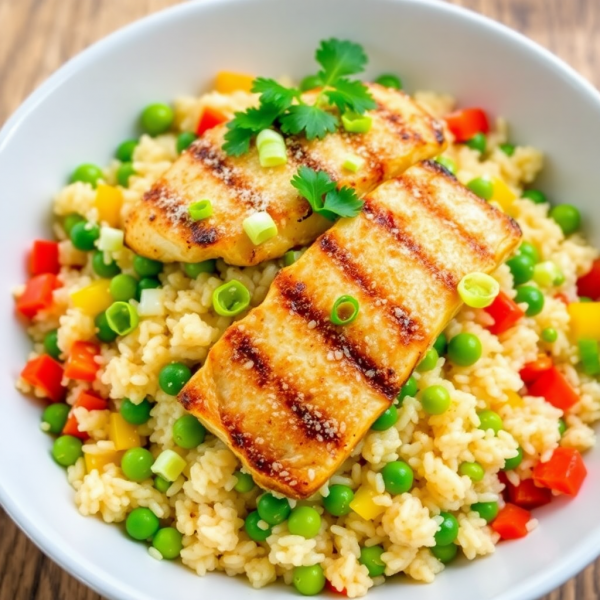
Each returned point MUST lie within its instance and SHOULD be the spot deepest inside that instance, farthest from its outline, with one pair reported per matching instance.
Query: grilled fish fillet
(290, 393)
(402, 134)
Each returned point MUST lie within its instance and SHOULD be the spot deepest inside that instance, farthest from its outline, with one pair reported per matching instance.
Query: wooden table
(39, 35)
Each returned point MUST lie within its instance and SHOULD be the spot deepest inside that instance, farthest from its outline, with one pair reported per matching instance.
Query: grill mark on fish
(295, 298)
(402, 129)
(315, 425)
(409, 328)
(393, 225)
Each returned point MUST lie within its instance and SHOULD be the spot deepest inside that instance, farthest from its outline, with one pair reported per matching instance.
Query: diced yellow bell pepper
(122, 434)
(503, 195)
(363, 504)
(513, 399)
(585, 320)
(227, 82)
(94, 298)
(109, 200)
(99, 461)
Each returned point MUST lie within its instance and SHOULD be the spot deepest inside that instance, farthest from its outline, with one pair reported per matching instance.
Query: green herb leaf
(314, 121)
(343, 202)
(274, 93)
(237, 140)
(255, 119)
(351, 95)
(339, 58)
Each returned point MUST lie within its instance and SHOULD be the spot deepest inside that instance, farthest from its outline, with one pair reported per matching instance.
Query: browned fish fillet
(289, 392)
(401, 135)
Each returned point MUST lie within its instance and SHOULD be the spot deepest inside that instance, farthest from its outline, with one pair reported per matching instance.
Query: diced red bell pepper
(554, 388)
(209, 118)
(46, 374)
(466, 123)
(329, 586)
(81, 364)
(563, 298)
(528, 495)
(589, 284)
(72, 428)
(564, 472)
(505, 312)
(88, 401)
(44, 257)
(37, 295)
(511, 522)
(531, 371)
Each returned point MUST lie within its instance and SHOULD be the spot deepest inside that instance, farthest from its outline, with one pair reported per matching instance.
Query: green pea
(185, 140)
(304, 521)
(102, 268)
(146, 267)
(567, 217)
(71, 220)
(447, 163)
(245, 483)
(528, 249)
(309, 581)
(535, 196)
(440, 344)
(521, 266)
(465, 349)
(584, 299)
(408, 389)
(310, 83)
(435, 399)
(168, 541)
(445, 554)
(146, 283)
(533, 297)
(429, 361)
(482, 187)
(474, 471)
(337, 502)
(386, 420)
(136, 414)
(477, 142)
(192, 270)
(508, 149)
(124, 172)
(161, 484)
(188, 432)
(157, 118)
(136, 464)
(51, 344)
(123, 287)
(173, 377)
(510, 464)
(255, 532)
(486, 510)
(448, 530)
(141, 524)
(87, 173)
(490, 420)
(398, 477)
(55, 417)
(83, 235)
(125, 150)
(66, 450)
(273, 510)
(371, 558)
(562, 427)
(389, 81)
(549, 335)
(104, 332)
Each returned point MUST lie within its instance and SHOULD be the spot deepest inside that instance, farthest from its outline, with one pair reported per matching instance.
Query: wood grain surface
(37, 36)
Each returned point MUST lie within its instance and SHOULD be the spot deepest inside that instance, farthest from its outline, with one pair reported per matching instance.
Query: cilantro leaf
(339, 58)
(255, 119)
(314, 121)
(351, 95)
(274, 93)
(343, 202)
(238, 140)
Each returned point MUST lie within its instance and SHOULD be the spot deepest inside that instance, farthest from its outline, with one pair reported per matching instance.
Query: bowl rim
(83, 570)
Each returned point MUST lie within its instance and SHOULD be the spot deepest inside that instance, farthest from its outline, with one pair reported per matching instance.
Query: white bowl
(92, 103)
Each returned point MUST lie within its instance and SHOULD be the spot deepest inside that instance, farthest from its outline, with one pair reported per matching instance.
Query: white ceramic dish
(91, 104)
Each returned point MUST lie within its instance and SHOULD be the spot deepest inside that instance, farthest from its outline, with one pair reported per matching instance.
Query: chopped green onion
(122, 317)
(590, 359)
(345, 310)
(353, 163)
(260, 227)
(200, 210)
(549, 335)
(291, 256)
(478, 290)
(272, 151)
(231, 298)
(110, 240)
(447, 163)
(268, 136)
(168, 465)
(152, 303)
(547, 274)
(354, 123)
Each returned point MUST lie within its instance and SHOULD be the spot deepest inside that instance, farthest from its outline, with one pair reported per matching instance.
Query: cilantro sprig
(284, 106)
(323, 196)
